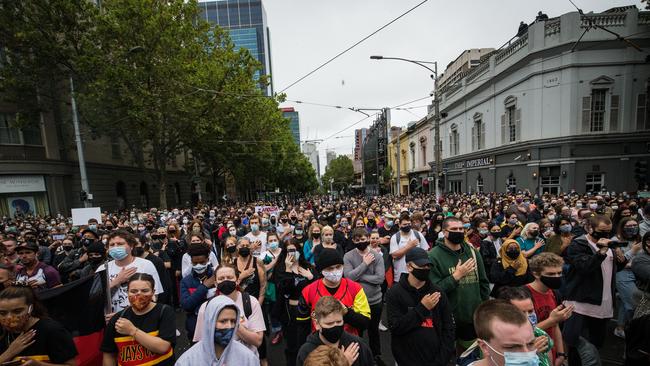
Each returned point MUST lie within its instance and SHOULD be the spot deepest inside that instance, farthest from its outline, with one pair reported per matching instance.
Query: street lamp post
(436, 120)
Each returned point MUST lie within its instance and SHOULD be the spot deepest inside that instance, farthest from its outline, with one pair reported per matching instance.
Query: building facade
(246, 22)
(357, 162)
(292, 115)
(546, 113)
(467, 60)
(310, 150)
(39, 170)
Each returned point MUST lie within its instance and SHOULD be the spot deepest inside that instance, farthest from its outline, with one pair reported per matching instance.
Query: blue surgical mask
(223, 336)
(516, 358)
(566, 228)
(467, 225)
(118, 253)
(273, 245)
(255, 227)
(390, 223)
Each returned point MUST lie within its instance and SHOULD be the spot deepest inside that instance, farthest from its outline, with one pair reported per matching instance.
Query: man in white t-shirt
(408, 238)
(123, 266)
(186, 260)
(256, 237)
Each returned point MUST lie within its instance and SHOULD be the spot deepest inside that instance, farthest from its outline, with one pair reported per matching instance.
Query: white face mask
(333, 276)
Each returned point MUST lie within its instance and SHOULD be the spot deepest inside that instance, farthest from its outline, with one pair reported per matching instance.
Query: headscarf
(508, 262)
(203, 352)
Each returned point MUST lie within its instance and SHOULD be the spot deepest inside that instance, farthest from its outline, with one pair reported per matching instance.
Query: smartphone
(58, 236)
(617, 244)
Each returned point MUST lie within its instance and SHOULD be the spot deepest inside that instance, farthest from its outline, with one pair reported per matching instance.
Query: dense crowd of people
(482, 279)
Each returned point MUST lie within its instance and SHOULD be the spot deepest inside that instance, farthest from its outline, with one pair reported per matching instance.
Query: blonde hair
(524, 231)
(326, 228)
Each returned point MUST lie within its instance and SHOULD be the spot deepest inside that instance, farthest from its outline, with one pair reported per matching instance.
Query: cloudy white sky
(305, 33)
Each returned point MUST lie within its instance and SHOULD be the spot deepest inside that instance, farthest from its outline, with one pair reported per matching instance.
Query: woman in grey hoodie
(216, 347)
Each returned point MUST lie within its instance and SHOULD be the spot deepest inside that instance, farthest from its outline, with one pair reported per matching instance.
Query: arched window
(144, 194)
(120, 193)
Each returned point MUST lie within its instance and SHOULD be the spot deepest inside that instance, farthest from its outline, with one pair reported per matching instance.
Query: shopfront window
(511, 184)
(455, 186)
(551, 184)
(479, 184)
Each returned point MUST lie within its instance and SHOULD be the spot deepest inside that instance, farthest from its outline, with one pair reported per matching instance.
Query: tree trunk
(162, 183)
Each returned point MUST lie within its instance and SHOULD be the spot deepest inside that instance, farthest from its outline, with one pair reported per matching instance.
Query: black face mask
(362, 245)
(156, 244)
(512, 253)
(421, 274)
(553, 283)
(533, 234)
(405, 229)
(315, 235)
(137, 251)
(231, 249)
(496, 234)
(244, 252)
(332, 334)
(226, 287)
(456, 237)
(95, 260)
(284, 221)
(85, 242)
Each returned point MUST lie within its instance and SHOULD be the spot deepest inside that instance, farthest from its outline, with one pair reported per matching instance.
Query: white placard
(80, 216)
(271, 210)
(21, 183)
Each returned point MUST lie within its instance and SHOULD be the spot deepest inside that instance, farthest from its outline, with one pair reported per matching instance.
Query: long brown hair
(27, 293)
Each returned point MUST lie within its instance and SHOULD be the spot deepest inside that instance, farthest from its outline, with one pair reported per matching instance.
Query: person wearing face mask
(328, 235)
(312, 242)
(637, 347)
(530, 241)
(251, 319)
(143, 333)
(458, 269)
(350, 293)
(419, 317)
(292, 274)
(627, 232)
(299, 234)
(511, 269)
(328, 318)
(196, 285)
(251, 273)
(229, 250)
(96, 254)
(270, 260)
(589, 286)
(28, 335)
(218, 346)
(479, 232)
(284, 228)
(547, 301)
(490, 246)
(257, 237)
(366, 267)
(562, 236)
(124, 265)
(186, 266)
(521, 298)
(401, 242)
(505, 336)
(512, 227)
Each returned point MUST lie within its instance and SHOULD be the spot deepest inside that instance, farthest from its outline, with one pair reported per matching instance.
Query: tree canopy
(341, 171)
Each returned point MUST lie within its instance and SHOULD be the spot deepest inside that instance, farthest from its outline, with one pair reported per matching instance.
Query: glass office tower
(245, 20)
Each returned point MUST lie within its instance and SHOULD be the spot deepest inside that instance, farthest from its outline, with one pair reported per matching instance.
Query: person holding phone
(29, 337)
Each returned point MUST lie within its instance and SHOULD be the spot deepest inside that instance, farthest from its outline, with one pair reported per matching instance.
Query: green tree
(341, 171)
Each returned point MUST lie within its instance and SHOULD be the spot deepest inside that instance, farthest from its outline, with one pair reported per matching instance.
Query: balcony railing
(510, 50)
(605, 20)
(551, 27)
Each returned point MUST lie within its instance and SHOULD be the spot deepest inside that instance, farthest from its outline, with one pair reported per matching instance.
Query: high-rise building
(245, 20)
(294, 117)
(310, 150)
(330, 155)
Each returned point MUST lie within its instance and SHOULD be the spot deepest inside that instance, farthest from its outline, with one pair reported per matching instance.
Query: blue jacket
(193, 295)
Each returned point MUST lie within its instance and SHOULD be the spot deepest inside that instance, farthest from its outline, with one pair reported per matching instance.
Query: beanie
(328, 257)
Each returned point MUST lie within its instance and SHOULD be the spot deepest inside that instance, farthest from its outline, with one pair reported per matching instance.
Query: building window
(9, 134)
(597, 123)
(594, 182)
(479, 184)
(455, 186)
(511, 184)
(550, 184)
(511, 122)
(424, 155)
(116, 148)
(454, 139)
(478, 135)
(642, 112)
(412, 157)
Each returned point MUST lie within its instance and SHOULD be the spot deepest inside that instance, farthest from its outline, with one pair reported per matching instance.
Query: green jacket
(464, 295)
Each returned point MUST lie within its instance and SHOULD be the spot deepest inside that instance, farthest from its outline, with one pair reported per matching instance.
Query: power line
(353, 46)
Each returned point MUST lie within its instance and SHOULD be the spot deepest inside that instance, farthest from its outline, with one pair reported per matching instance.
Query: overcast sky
(305, 33)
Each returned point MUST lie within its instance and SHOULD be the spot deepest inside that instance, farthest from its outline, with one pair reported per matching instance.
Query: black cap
(94, 233)
(418, 256)
(97, 247)
(28, 246)
(328, 257)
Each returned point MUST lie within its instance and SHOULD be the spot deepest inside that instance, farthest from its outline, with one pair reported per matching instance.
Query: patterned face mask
(140, 301)
(16, 322)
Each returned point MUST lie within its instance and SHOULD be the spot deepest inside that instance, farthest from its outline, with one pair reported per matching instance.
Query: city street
(611, 354)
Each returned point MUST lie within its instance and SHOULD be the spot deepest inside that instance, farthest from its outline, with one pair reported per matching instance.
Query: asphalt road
(611, 354)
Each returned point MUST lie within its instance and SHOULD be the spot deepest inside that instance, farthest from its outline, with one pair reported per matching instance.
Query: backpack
(246, 301)
(418, 236)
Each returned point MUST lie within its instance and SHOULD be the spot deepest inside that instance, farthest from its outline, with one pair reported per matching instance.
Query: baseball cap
(418, 256)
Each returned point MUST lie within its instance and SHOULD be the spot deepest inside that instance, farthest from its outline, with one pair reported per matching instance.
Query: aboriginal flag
(79, 306)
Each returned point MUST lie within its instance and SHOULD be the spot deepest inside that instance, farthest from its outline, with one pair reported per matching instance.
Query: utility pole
(397, 151)
(436, 120)
(84, 194)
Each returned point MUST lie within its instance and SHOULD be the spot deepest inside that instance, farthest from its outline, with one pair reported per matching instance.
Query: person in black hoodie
(328, 316)
(419, 317)
(593, 262)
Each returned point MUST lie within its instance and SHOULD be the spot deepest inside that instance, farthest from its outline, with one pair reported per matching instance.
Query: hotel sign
(472, 163)
(21, 183)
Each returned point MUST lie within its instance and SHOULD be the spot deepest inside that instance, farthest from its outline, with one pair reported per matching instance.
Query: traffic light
(83, 196)
(641, 172)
